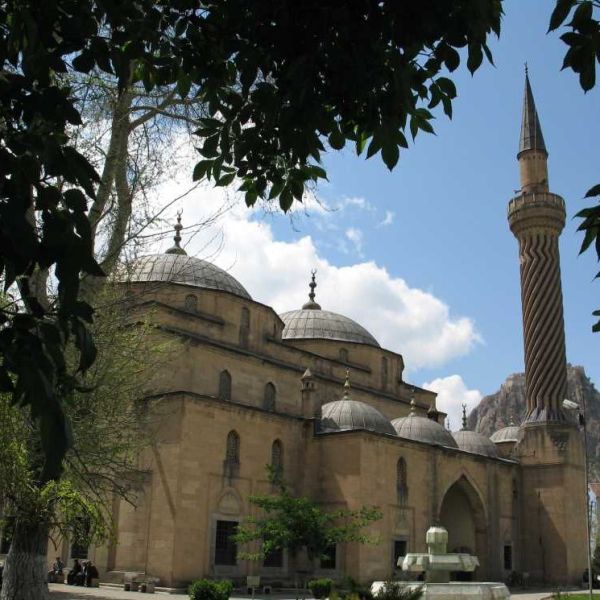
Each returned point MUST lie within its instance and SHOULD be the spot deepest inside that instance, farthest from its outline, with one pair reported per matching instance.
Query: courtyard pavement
(66, 592)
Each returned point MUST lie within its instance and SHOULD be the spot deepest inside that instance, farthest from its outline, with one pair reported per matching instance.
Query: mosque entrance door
(462, 514)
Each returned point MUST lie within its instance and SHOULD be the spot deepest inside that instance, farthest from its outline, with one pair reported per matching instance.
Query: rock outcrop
(496, 410)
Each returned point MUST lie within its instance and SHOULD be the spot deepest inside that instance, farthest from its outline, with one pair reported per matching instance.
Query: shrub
(207, 589)
(320, 588)
(392, 590)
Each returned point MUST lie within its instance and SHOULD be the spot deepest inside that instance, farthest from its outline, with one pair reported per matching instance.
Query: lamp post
(581, 417)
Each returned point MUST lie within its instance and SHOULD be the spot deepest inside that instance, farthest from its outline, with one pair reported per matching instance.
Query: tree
(279, 81)
(292, 523)
(111, 425)
(583, 41)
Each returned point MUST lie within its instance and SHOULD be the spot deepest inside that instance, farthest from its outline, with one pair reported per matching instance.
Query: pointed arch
(244, 327)
(225, 386)
(462, 512)
(277, 455)
(231, 464)
(191, 303)
(270, 397)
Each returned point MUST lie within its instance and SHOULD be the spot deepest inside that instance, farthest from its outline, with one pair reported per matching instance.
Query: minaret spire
(531, 131)
(533, 155)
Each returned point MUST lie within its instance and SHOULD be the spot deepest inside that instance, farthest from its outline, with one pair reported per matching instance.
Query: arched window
(270, 396)
(231, 464)
(344, 355)
(384, 372)
(191, 303)
(401, 481)
(225, 386)
(277, 456)
(244, 327)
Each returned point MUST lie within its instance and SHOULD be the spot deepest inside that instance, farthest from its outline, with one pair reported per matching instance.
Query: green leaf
(75, 200)
(184, 83)
(201, 169)
(475, 56)
(336, 139)
(225, 180)
(560, 13)
(593, 191)
(390, 155)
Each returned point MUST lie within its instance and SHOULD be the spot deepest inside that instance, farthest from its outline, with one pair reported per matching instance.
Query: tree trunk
(25, 575)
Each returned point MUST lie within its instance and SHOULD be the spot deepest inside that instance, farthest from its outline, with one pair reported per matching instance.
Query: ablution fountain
(437, 564)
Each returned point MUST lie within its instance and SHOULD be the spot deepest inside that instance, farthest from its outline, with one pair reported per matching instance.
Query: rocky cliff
(496, 410)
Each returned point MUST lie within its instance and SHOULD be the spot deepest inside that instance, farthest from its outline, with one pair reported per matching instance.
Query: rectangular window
(225, 547)
(328, 561)
(274, 559)
(400, 548)
(508, 559)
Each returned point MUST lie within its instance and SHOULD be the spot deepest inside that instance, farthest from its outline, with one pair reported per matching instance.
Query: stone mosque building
(313, 393)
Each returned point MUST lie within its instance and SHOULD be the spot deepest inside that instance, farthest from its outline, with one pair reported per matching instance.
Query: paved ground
(66, 592)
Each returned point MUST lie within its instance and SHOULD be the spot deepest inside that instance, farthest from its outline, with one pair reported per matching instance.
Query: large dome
(422, 429)
(346, 414)
(476, 443)
(188, 270)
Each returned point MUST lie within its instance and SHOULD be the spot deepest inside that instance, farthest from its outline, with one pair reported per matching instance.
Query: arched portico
(462, 513)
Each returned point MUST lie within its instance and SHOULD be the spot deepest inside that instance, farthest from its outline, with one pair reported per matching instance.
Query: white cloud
(355, 235)
(452, 394)
(404, 319)
(388, 219)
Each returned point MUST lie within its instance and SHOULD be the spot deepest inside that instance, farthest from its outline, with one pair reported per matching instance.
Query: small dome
(312, 323)
(188, 270)
(506, 434)
(422, 429)
(476, 443)
(346, 414)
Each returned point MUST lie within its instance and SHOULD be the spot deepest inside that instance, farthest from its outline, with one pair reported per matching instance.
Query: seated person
(56, 575)
(90, 573)
(74, 573)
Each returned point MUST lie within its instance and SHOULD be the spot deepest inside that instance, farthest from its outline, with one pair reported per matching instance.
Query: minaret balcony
(542, 212)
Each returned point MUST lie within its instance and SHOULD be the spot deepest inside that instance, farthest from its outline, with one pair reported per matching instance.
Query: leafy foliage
(583, 40)
(393, 590)
(207, 589)
(276, 83)
(320, 588)
(295, 523)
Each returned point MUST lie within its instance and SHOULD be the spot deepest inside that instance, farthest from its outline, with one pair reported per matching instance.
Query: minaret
(536, 218)
(552, 539)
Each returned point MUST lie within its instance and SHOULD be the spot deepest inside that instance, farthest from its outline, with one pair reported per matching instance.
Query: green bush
(320, 588)
(207, 589)
(392, 590)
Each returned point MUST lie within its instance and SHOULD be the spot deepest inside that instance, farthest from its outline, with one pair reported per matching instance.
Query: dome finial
(413, 406)
(177, 249)
(311, 304)
(464, 417)
(347, 384)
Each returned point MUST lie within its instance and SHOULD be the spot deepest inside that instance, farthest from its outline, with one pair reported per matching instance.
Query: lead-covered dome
(476, 443)
(187, 270)
(312, 322)
(347, 414)
(174, 266)
(422, 429)
(506, 434)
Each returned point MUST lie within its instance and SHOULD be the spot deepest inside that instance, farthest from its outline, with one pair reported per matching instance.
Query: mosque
(313, 393)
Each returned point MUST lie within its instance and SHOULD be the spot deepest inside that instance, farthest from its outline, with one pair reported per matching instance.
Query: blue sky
(423, 255)
(449, 195)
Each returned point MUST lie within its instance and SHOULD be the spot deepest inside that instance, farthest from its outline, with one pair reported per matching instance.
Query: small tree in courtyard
(297, 523)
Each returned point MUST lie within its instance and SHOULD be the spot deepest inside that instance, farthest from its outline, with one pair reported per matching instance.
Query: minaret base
(553, 503)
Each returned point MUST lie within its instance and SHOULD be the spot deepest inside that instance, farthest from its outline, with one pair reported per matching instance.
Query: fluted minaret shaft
(536, 218)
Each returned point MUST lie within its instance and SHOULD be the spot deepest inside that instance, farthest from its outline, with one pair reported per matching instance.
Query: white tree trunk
(25, 575)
